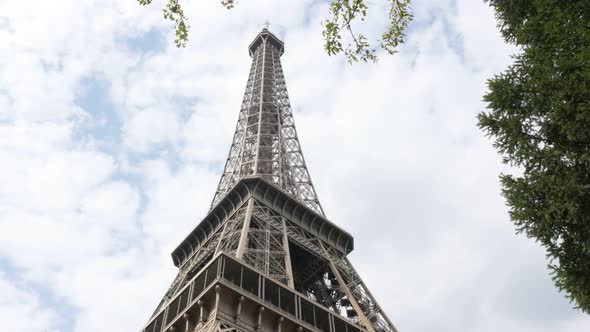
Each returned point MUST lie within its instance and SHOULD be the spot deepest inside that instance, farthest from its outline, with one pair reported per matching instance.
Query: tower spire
(265, 142)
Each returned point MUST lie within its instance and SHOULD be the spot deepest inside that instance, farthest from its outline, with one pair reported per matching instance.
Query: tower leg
(344, 289)
(245, 228)
(288, 266)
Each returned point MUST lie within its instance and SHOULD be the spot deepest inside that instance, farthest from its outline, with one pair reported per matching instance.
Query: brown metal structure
(265, 258)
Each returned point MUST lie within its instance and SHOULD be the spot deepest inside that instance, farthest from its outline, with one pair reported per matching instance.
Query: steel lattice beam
(265, 142)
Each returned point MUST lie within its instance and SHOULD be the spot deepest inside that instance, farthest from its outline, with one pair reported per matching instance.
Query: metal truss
(266, 247)
(338, 285)
(217, 326)
(210, 326)
(200, 258)
(289, 254)
(260, 237)
(265, 142)
(223, 327)
(365, 300)
(232, 232)
(226, 240)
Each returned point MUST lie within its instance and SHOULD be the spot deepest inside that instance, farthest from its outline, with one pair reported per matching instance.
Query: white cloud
(392, 148)
(150, 127)
(21, 309)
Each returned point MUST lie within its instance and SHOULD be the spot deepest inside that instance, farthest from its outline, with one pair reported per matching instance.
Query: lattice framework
(265, 142)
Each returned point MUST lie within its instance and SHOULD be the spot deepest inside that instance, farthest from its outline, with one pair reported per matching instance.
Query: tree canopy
(539, 118)
(343, 15)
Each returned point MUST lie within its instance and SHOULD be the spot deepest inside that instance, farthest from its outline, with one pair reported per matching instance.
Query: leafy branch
(174, 13)
(343, 14)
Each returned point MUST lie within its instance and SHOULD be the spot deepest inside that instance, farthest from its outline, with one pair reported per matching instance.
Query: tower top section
(263, 36)
(265, 143)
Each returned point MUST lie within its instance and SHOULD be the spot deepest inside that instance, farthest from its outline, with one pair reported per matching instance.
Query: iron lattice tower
(265, 143)
(265, 258)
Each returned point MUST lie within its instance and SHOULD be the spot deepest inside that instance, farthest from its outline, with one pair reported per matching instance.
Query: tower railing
(195, 303)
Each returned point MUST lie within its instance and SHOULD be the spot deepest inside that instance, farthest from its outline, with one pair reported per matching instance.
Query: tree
(539, 118)
(343, 14)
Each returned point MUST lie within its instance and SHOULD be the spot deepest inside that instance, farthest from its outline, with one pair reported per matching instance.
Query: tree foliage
(539, 118)
(344, 13)
(174, 13)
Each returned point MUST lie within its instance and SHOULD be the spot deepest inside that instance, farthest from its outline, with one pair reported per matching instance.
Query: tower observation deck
(266, 258)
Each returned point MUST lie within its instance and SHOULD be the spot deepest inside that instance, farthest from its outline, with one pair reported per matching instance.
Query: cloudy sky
(112, 142)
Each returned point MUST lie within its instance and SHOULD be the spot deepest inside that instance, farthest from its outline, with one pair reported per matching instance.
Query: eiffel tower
(266, 258)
